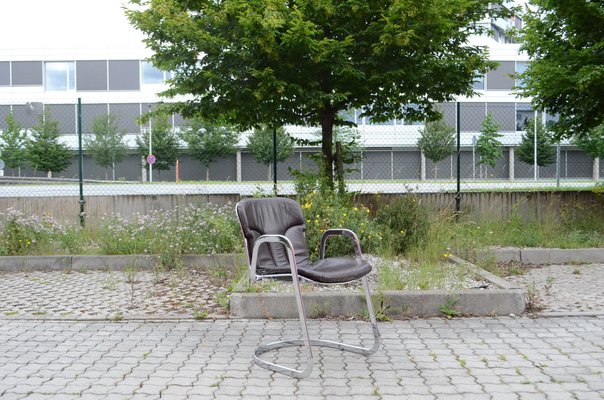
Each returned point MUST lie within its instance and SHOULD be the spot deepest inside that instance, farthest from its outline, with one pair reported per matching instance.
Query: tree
(488, 144)
(207, 142)
(546, 153)
(260, 144)
(267, 62)
(592, 144)
(565, 38)
(437, 141)
(106, 146)
(44, 152)
(164, 143)
(13, 144)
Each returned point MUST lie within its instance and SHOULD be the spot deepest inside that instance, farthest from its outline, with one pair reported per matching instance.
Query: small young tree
(488, 144)
(164, 143)
(592, 144)
(44, 152)
(546, 153)
(106, 146)
(260, 144)
(207, 142)
(437, 141)
(13, 144)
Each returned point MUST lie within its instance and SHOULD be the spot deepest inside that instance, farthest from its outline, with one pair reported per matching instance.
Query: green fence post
(81, 163)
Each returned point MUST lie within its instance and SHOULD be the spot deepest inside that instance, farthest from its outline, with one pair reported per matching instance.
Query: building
(55, 53)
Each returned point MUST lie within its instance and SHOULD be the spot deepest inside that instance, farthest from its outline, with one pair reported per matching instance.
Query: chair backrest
(276, 215)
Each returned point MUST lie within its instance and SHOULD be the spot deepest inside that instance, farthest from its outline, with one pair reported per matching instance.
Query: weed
(576, 271)
(11, 313)
(549, 282)
(118, 316)
(502, 357)
(448, 310)
(200, 314)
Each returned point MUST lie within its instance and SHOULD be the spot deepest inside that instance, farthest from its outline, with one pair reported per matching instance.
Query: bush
(27, 235)
(327, 210)
(206, 229)
(406, 223)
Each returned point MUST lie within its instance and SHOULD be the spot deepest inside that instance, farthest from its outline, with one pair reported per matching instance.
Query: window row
(131, 74)
(510, 117)
(82, 75)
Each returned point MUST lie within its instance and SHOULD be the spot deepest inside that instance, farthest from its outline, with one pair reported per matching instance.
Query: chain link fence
(388, 160)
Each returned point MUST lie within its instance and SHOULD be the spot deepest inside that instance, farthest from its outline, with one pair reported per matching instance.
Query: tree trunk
(327, 119)
(49, 174)
(207, 173)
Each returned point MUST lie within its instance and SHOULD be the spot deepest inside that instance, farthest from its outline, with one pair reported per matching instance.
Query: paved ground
(472, 358)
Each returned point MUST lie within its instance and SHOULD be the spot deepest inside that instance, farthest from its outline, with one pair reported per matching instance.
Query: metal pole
(81, 163)
(275, 160)
(458, 193)
(535, 166)
(150, 146)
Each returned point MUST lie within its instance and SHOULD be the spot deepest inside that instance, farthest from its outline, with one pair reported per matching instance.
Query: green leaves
(546, 153)
(565, 39)
(106, 146)
(44, 152)
(437, 140)
(13, 143)
(488, 145)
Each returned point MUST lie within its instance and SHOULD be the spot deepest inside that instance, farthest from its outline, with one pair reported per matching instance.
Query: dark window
(124, 75)
(503, 114)
(4, 73)
(502, 78)
(524, 113)
(4, 111)
(27, 73)
(65, 114)
(27, 115)
(91, 75)
(471, 116)
(449, 113)
(128, 115)
(89, 113)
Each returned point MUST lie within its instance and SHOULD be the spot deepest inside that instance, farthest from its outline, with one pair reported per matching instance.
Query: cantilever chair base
(270, 228)
(308, 343)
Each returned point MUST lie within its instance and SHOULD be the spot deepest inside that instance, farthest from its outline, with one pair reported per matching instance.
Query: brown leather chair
(273, 229)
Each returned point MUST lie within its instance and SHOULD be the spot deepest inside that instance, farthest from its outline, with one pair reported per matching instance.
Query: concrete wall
(528, 205)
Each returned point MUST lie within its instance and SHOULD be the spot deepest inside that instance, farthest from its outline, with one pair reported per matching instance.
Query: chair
(275, 242)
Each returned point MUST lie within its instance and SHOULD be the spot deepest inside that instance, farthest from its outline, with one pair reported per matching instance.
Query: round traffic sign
(151, 159)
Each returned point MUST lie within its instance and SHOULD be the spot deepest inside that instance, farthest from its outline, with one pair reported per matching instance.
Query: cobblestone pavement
(565, 288)
(113, 295)
(470, 358)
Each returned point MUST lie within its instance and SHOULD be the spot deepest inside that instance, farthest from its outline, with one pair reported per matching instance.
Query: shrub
(327, 210)
(406, 222)
(27, 235)
(205, 229)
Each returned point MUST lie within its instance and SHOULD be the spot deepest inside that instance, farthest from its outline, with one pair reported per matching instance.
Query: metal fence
(390, 160)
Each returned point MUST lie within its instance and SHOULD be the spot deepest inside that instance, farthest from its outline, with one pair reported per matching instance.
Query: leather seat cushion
(336, 270)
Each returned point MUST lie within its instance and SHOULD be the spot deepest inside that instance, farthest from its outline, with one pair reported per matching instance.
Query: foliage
(437, 141)
(164, 143)
(328, 210)
(488, 145)
(546, 154)
(565, 38)
(44, 152)
(207, 142)
(266, 62)
(406, 222)
(592, 144)
(106, 146)
(204, 229)
(13, 143)
(26, 235)
(260, 144)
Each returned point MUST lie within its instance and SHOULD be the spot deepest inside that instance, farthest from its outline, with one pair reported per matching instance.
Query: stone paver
(565, 288)
(116, 295)
(471, 358)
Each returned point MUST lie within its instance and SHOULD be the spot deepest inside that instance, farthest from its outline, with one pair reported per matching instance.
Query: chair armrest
(271, 238)
(340, 232)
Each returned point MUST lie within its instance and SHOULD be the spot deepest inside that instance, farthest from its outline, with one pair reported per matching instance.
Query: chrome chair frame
(306, 341)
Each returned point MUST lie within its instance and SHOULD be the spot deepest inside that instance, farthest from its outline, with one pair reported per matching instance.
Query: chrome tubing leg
(306, 342)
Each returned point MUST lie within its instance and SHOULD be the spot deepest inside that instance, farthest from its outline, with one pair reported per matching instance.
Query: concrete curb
(111, 263)
(507, 299)
(546, 256)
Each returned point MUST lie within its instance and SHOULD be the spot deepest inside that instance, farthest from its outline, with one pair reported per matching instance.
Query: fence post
(81, 163)
(458, 193)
